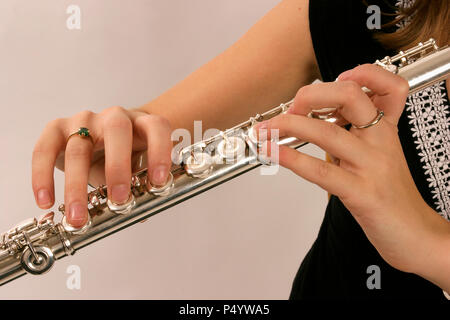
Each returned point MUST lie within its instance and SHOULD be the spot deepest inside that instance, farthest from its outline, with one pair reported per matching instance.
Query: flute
(33, 245)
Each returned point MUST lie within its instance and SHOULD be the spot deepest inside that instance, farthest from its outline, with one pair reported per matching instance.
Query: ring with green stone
(83, 133)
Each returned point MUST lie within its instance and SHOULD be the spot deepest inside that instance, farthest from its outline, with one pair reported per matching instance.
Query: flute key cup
(123, 208)
(74, 230)
(231, 148)
(199, 165)
(163, 190)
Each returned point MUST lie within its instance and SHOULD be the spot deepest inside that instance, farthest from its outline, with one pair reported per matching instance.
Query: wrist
(434, 257)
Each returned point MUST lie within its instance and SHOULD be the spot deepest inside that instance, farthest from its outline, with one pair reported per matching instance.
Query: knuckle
(84, 115)
(77, 151)
(351, 90)
(162, 160)
(115, 120)
(360, 72)
(35, 186)
(303, 96)
(143, 121)
(38, 176)
(114, 110)
(55, 123)
(39, 181)
(154, 120)
(75, 191)
(42, 149)
(322, 169)
(117, 169)
(277, 125)
(111, 167)
(119, 165)
(163, 121)
(363, 68)
(330, 132)
(39, 149)
(279, 121)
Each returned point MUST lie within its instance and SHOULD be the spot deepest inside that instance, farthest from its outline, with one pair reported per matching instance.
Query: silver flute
(33, 245)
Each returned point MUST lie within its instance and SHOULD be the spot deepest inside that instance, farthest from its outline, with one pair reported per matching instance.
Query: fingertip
(77, 224)
(46, 206)
(159, 175)
(44, 198)
(77, 216)
(120, 193)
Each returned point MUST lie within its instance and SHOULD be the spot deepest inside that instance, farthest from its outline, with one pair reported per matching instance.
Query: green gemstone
(84, 132)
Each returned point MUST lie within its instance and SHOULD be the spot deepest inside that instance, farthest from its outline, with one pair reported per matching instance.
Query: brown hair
(423, 20)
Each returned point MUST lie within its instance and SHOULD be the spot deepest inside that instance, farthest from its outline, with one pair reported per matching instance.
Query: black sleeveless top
(337, 264)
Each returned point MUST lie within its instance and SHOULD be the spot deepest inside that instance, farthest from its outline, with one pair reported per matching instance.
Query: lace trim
(430, 124)
(404, 4)
(427, 112)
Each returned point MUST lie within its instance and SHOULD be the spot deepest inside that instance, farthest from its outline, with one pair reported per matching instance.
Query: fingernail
(159, 176)
(44, 198)
(77, 216)
(120, 193)
(345, 75)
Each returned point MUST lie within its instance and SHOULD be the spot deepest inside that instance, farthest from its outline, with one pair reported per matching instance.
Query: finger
(77, 162)
(328, 176)
(156, 131)
(389, 91)
(328, 136)
(353, 104)
(118, 137)
(47, 148)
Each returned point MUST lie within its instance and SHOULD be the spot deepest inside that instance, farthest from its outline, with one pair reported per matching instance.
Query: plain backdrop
(242, 240)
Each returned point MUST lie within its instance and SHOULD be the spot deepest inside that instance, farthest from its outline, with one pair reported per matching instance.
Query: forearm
(264, 68)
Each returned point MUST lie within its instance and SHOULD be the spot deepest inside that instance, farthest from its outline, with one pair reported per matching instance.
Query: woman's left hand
(371, 178)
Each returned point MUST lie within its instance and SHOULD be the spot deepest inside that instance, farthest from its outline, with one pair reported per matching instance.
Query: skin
(234, 86)
(229, 89)
(407, 233)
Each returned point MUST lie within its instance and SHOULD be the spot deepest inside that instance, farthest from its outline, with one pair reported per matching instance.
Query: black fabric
(336, 265)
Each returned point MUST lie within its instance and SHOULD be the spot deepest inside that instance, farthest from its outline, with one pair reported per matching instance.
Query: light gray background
(241, 240)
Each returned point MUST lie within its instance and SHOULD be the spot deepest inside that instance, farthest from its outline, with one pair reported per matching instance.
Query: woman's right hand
(117, 135)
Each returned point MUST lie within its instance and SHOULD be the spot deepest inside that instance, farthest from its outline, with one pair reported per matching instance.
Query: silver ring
(372, 123)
